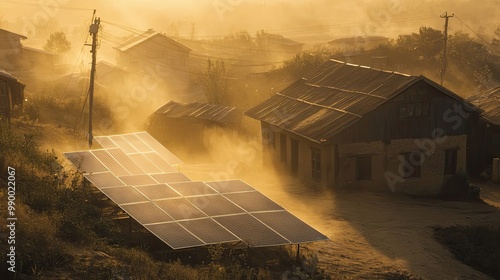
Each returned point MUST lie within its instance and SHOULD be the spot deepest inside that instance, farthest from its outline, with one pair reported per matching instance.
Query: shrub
(475, 245)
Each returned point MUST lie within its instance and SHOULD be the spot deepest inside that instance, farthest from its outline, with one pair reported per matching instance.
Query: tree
(57, 43)
(215, 82)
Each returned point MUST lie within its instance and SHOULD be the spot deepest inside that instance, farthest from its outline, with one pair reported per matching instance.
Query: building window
(450, 161)
(316, 164)
(411, 163)
(363, 168)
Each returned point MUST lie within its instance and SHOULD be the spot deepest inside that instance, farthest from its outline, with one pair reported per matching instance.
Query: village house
(11, 94)
(13, 55)
(485, 135)
(185, 124)
(157, 56)
(351, 126)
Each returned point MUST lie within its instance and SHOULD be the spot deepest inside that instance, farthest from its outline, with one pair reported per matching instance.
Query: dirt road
(371, 233)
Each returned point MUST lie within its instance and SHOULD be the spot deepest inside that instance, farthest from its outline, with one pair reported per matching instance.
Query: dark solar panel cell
(253, 201)
(174, 235)
(179, 208)
(209, 231)
(230, 186)
(110, 162)
(289, 226)
(123, 144)
(137, 143)
(144, 163)
(157, 191)
(251, 230)
(192, 188)
(105, 142)
(124, 194)
(126, 161)
(104, 180)
(86, 162)
(215, 205)
(162, 164)
(146, 213)
(166, 178)
(137, 180)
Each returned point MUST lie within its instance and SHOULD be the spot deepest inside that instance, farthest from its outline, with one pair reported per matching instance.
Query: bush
(475, 245)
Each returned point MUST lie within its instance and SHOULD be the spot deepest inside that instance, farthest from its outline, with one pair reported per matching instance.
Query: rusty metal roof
(331, 98)
(489, 104)
(203, 111)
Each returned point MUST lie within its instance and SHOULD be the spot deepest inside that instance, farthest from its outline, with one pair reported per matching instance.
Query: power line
(38, 5)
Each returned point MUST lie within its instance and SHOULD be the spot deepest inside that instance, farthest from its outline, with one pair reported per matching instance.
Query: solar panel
(137, 143)
(145, 164)
(251, 230)
(166, 178)
(175, 235)
(289, 226)
(209, 231)
(192, 188)
(253, 201)
(105, 142)
(157, 191)
(230, 186)
(123, 144)
(137, 180)
(110, 162)
(123, 195)
(162, 164)
(180, 209)
(146, 213)
(156, 146)
(135, 171)
(125, 161)
(86, 162)
(103, 180)
(215, 205)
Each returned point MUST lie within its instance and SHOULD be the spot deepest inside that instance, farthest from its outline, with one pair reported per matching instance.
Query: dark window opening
(450, 161)
(363, 168)
(412, 164)
(316, 164)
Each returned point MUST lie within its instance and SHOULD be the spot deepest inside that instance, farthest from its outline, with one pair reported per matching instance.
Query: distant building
(158, 56)
(485, 135)
(110, 75)
(350, 126)
(11, 94)
(183, 125)
(13, 55)
(10, 48)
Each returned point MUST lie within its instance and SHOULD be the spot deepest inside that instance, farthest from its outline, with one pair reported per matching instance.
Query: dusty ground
(370, 233)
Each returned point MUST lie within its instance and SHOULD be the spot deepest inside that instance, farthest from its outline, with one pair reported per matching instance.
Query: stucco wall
(387, 164)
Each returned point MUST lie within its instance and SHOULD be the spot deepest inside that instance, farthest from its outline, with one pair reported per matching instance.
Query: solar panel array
(137, 173)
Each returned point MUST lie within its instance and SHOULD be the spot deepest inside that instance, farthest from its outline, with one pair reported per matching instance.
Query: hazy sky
(312, 20)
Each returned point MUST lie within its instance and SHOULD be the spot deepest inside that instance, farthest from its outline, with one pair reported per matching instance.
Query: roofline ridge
(371, 68)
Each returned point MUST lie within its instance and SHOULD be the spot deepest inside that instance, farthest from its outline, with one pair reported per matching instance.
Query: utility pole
(94, 29)
(443, 67)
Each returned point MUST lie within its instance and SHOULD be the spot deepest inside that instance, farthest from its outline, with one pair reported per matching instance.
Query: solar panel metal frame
(226, 206)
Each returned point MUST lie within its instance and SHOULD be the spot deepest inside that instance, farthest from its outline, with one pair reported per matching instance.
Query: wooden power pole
(443, 67)
(94, 29)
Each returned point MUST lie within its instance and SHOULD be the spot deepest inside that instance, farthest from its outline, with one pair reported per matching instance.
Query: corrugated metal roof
(6, 75)
(331, 98)
(489, 104)
(146, 36)
(203, 111)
